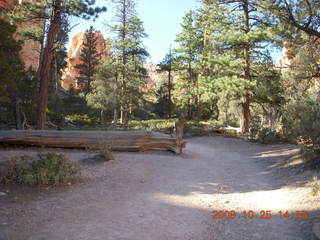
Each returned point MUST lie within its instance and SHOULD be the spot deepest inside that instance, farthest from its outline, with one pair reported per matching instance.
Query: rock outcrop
(70, 73)
(288, 56)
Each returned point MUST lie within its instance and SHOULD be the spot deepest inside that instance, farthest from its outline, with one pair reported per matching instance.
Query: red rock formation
(153, 77)
(288, 56)
(70, 74)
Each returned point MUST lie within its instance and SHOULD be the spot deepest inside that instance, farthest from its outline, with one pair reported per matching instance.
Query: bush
(315, 186)
(302, 119)
(45, 169)
(83, 119)
(266, 135)
(310, 152)
(161, 125)
(168, 126)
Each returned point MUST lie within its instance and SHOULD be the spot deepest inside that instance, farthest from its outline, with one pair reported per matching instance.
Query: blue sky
(162, 19)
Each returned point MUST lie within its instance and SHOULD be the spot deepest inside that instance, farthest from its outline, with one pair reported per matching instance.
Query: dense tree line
(222, 67)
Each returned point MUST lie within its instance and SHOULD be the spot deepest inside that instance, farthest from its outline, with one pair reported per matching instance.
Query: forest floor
(157, 195)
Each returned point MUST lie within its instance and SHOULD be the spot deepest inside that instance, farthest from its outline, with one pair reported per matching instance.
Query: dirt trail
(158, 196)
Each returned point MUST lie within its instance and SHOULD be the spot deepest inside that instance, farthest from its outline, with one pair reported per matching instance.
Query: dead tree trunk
(45, 64)
(179, 135)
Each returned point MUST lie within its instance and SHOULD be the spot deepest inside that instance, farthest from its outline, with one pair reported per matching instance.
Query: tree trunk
(44, 68)
(199, 109)
(169, 94)
(103, 117)
(18, 114)
(245, 104)
(123, 115)
(245, 114)
(170, 86)
(115, 115)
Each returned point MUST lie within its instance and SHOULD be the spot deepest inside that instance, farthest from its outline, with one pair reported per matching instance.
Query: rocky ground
(157, 195)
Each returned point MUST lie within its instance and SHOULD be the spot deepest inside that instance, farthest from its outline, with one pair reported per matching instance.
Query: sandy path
(158, 196)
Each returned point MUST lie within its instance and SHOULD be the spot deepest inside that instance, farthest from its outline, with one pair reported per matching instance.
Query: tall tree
(238, 38)
(166, 66)
(16, 85)
(57, 8)
(129, 54)
(188, 62)
(51, 13)
(89, 58)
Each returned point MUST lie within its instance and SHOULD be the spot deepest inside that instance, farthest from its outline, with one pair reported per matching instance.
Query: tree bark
(245, 114)
(170, 86)
(45, 65)
(18, 114)
(245, 103)
(115, 115)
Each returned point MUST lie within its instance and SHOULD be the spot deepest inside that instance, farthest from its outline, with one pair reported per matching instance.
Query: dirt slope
(158, 196)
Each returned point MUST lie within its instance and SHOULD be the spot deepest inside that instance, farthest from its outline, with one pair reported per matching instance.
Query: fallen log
(128, 141)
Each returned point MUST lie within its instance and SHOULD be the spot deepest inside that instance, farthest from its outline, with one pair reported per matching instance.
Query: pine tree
(239, 39)
(188, 58)
(89, 58)
(50, 15)
(302, 15)
(16, 86)
(167, 66)
(107, 88)
(129, 55)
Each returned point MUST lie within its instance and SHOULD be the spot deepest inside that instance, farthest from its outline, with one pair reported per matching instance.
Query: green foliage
(315, 186)
(168, 126)
(11, 66)
(71, 107)
(129, 56)
(105, 150)
(267, 135)
(162, 125)
(45, 169)
(188, 92)
(83, 119)
(107, 87)
(16, 84)
(310, 152)
(89, 58)
(302, 118)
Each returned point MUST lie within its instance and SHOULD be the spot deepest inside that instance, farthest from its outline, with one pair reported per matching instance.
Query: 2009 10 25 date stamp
(263, 214)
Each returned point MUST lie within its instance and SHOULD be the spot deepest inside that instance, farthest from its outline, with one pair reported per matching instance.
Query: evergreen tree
(167, 66)
(188, 59)
(129, 55)
(238, 39)
(107, 88)
(302, 15)
(89, 58)
(16, 86)
(50, 15)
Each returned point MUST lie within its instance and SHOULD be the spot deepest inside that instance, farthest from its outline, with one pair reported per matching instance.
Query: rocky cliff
(70, 73)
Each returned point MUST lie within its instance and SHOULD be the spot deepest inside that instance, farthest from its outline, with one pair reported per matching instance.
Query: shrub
(162, 125)
(83, 119)
(105, 150)
(315, 186)
(45, 169)
(302, 119)
(310, 152)
(266, 135)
